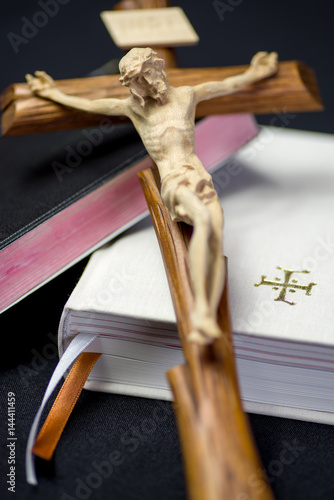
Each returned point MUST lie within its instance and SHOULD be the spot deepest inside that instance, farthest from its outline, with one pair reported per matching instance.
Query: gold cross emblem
(286, 285)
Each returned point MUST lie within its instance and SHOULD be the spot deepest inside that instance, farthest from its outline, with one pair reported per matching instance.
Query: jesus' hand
(263, 65)
(41, 83)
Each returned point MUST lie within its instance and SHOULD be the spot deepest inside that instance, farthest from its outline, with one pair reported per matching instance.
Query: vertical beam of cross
(219, 454)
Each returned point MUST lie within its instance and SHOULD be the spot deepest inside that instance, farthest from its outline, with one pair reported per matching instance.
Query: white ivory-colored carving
(164, 118)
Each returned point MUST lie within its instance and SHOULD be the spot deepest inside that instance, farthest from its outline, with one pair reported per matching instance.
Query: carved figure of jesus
(164, 118)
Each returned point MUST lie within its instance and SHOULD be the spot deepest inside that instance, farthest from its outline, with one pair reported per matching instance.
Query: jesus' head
(142, 71)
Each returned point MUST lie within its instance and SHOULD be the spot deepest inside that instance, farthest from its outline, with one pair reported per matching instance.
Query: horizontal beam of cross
(293, 89)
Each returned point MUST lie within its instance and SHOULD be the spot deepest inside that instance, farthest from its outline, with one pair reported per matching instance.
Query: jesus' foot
(205, 329)
(199, 338)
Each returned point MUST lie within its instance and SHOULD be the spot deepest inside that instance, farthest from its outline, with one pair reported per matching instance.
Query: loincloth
(200, 183)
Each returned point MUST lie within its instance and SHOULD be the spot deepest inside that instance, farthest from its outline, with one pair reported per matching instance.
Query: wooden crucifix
(221, 460)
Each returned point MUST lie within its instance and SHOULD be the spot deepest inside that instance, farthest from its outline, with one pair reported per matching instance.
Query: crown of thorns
(132, 63)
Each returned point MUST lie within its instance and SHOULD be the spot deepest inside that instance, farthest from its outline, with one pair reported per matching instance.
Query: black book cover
(43, 174)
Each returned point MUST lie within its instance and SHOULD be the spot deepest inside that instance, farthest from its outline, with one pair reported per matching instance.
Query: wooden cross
(293, 89)
(220, 457)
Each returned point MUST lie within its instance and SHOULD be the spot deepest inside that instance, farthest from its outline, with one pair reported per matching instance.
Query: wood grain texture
(220, 457)
(293, 89)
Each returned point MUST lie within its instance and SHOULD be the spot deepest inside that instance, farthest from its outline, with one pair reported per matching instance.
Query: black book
(62, 195)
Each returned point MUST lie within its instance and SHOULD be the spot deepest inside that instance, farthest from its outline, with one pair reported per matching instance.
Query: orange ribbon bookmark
(61, 410)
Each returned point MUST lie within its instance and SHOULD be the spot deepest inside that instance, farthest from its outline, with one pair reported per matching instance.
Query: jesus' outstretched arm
(262, 65)
(44, 86)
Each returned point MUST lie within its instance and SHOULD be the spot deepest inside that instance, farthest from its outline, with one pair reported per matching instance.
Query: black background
(72, 44)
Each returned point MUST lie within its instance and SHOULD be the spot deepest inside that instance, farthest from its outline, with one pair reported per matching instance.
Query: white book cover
(277, 196)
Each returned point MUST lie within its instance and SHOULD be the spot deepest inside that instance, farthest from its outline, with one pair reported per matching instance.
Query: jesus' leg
(191, 209)
(217, 272)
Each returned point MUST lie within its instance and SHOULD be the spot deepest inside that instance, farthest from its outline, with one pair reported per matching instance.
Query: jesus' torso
(167, 130)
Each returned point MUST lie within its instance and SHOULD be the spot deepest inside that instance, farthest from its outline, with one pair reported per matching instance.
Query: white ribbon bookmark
(76, 347)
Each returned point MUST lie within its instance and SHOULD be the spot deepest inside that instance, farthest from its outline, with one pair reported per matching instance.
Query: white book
(278, 199)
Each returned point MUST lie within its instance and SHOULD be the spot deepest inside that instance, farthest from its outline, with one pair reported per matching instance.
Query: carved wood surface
(167, 53)
(293, 89)
(220, 457)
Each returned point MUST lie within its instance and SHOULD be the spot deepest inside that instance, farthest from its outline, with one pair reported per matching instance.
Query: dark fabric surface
(121, 447)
